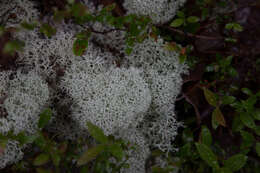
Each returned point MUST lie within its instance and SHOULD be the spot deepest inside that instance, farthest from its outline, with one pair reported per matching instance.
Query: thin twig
(190, 34)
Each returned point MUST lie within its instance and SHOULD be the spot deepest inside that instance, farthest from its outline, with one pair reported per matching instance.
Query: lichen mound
(160, 11)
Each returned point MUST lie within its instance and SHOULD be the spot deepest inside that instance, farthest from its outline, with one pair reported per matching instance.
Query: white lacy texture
(24, 99)
(112, 100)
(160, 11)
(138, 155)
(12, 154)
(162, 72)
(18, 11)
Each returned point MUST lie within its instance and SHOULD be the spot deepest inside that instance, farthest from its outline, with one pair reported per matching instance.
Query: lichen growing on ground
(134, 101)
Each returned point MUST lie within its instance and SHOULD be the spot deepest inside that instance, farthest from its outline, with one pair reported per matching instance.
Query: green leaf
(47, 30)
(80, 46)
(2, 146)
(229, 26)
(257, 148)
(257, 130)
(41, 159)
(2, 30)
(177, 22)
(40, 141)
(246, 91)
(28, 26)
(193, 19)
(12, 46)
(56, 159)
(230, 39)
(24, 139)
(256, 114)
(218, 117)
(45, 117)
(237, 27)
(226, 100)
(207, 155)
(128, 50)
(206, 136)
(90, 154)
(247, 120)
(210, 97)
(117, 151)
(232, 72)
(237, 125)
(180, 14)
(248, 141)
(97, 133)
(214, 122)
(235, 162)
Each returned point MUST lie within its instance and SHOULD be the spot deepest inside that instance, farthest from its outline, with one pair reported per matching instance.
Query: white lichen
(112, 100)
(160, 11)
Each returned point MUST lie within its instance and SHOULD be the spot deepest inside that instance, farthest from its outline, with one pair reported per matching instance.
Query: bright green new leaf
(207, 155)
(229, 26)
(257, 148)
(45, 117)
(206, 137)
(177, 22)
(97, 133)
(193, 19)
(237, 27)
(210, 97)
(235, 162)
(90, 154)
(41, 159)
(247, 120)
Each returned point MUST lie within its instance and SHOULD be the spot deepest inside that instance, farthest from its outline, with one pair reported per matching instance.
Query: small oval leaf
(90, 154)
(235, 162)
(218, 117)
(177, 22)
(45, 117)
(210, 97)
(247, 120)
(41, 159)
(207, 155)
(193, 19)
(205, 136)
(97, 133)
